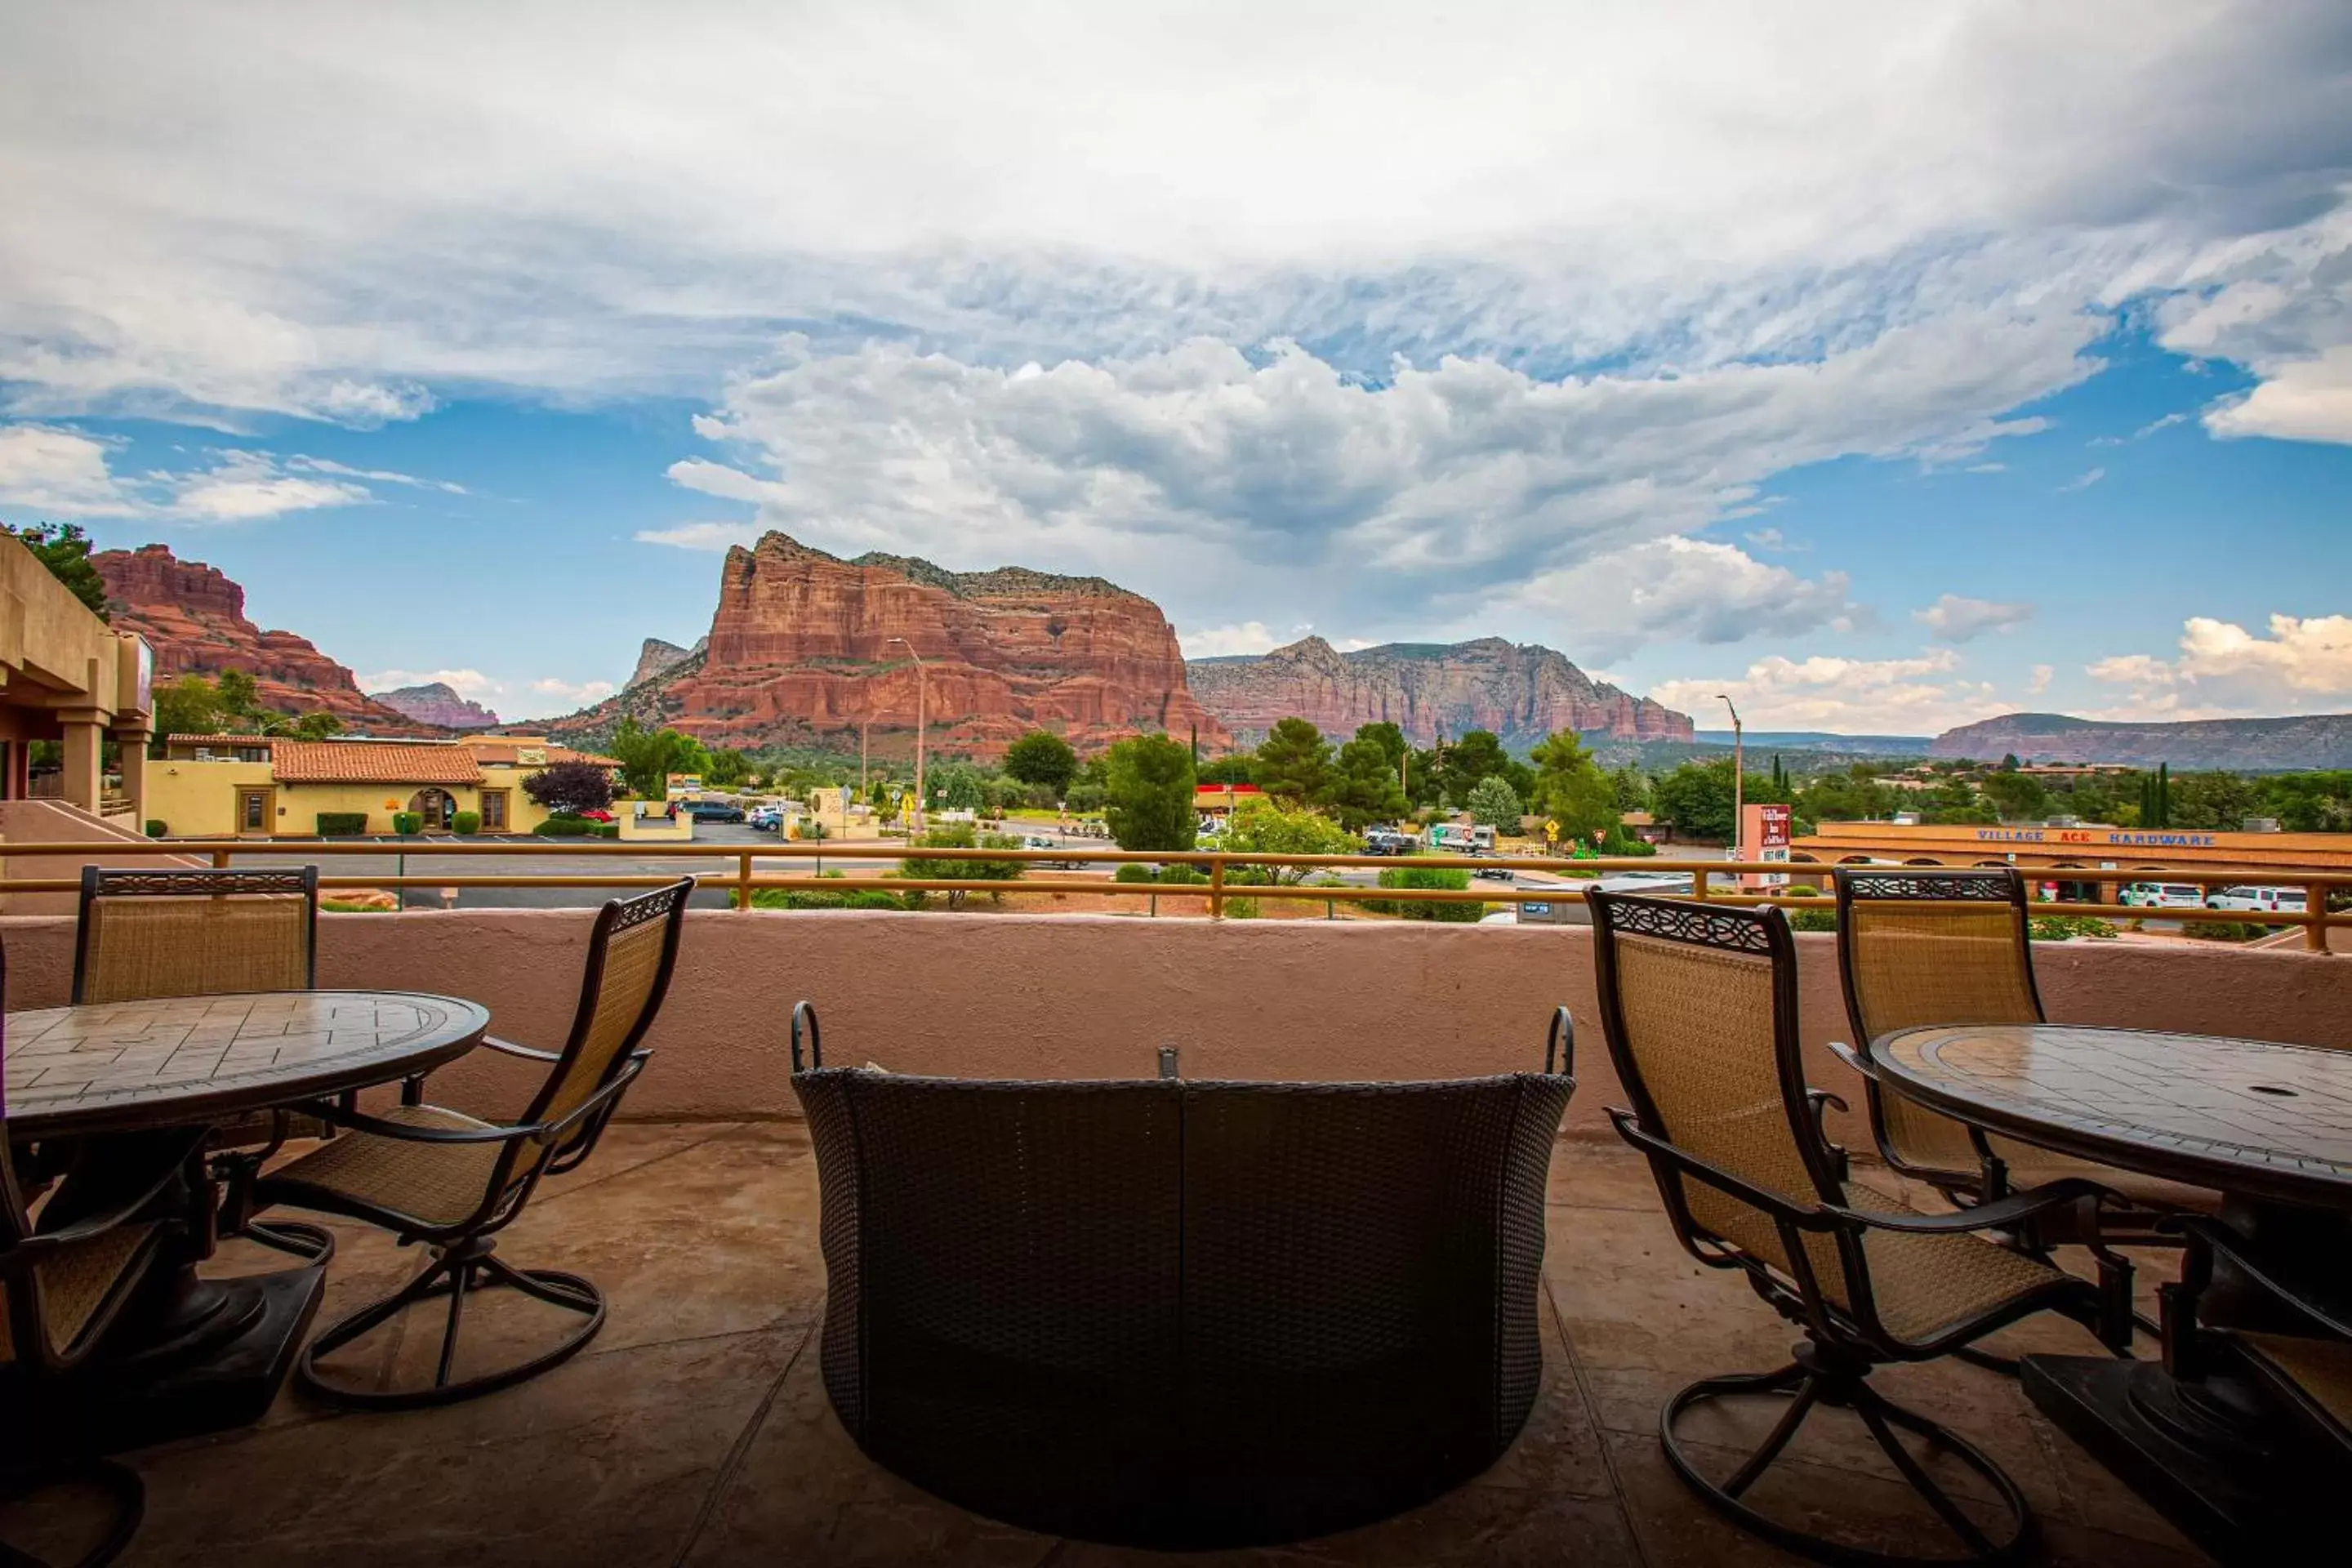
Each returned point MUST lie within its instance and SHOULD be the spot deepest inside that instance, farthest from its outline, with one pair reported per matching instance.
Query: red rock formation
(437, 702)
(1519, 693)
(193, 617)
(801, 652)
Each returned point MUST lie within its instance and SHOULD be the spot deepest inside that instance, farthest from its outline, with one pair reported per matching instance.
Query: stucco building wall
(1095, 996)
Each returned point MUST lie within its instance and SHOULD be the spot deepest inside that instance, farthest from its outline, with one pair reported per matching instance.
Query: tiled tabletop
(2217, 1111)
(107, 1066)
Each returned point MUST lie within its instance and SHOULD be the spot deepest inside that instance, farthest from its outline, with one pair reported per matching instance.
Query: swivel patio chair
(144, 934)
(1700, 1003)
(1182, 1313)
(451, 1182)
(1918, 946)
(67, 1280)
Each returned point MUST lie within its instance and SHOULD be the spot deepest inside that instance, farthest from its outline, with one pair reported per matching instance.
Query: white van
(2258, 900)
(2163, 896)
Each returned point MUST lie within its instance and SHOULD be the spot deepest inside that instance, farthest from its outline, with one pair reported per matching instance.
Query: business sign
(2122, 838)
(1766, 830)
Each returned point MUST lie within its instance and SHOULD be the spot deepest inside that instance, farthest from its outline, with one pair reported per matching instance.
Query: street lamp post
(1738, 782)
(922, 726)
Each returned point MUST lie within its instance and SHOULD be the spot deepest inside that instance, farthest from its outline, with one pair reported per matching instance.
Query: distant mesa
(1521, 692)
(2244, 745)
(806, 648)
(192, 616)
(437, 702)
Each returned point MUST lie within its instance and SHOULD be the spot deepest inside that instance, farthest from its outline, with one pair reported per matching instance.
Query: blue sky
(1887, 369)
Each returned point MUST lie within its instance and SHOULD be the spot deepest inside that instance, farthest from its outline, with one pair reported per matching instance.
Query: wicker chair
(443, 1178)
(66, 1280)
(1699, 1003)
(152, 934)
(2303, 1362)
(1182, 1314)
(1918, 946)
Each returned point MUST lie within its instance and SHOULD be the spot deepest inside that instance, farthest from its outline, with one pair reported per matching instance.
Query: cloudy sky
(1885, 366)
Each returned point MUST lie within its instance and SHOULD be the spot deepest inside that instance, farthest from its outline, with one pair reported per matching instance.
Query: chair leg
(123, 1488)
(470, 1266)
(1816, 1379)
(311, 1243)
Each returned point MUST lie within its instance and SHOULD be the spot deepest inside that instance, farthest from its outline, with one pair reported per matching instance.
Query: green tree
(2213, 801)
(2016, 795)
(1571, 790)
(963, 791)
(1265, 826)
(1228, 770)
(1476, 755)
(1496, 803)
(979, 868)
(1361, 786)
(240, 697)
(1454, 878)
(1425, 780)
(1697, 798)
(647, 758)
(725, 768)
(570, 789)
(1293, 760)
(317, 726)
(1042, 757)
(1632, 787)
(188, 705)
(1147, 793)
(1388, 738)
(64, 549)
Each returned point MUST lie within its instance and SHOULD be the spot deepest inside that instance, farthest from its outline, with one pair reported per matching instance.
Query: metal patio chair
(451, 1182)
(1918, 946)
(67, 1280)
(144, 934)
(1700, 1003)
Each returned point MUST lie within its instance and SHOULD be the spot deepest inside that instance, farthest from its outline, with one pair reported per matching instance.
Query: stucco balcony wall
(1095, 996)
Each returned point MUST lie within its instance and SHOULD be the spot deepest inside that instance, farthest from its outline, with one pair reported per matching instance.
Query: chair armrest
(508, 1048)
(1562, 1036)
(804, 1014)
(554, 1132)
(1861, 1063)
(1819, 1100)
(2228, 1244)
(2010, 1210)
(82, 1229)
(358, 1121)
(1805, 1217)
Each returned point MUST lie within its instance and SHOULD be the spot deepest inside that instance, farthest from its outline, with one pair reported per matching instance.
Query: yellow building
(213, 787)
(67, 676)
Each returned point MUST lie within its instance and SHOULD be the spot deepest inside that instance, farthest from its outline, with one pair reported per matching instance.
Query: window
(494, 810)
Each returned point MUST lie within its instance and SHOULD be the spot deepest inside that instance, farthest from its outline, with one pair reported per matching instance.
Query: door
(494, 811)
(257, 814)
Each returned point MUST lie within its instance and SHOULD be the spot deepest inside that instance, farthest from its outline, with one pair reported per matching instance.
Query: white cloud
(2082, 481)
(2043, 674)
(2304, 665)
(2280, 304)
(244, 487)
(1955, 617)
(554, 696)
(1921, 696)
(2166, 423)
(710, 536)
(378, 475)
(1677, 589)
(1245, 637)
(1772, 541)
(57, 473)
(2302, 400)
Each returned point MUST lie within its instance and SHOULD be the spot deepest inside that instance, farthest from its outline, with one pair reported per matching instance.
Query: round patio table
(210, 1353)
(2268, 1125)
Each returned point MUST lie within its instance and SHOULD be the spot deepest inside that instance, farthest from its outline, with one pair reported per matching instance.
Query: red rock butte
(193, 617)
(806, 648)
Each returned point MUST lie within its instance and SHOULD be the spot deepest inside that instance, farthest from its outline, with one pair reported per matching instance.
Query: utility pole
(861, 725)
(1738, 781)
(922, 726)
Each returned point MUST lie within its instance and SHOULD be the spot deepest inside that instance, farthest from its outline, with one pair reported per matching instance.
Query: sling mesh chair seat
(1182, 1314)
(452, 1181)
(1700, 1006)
(1918, 946)
(144, 934)
(67, 1279)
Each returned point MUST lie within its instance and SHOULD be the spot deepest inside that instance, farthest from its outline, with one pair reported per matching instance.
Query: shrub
(1133, 872)
(156, 828)
(567, 788)
(1181, 875)
(958, 836)
(1241, 909)
(1429, 877)
(571, 827)
(332, 823)
(1812, 919)
(824, 899)
(407, 821)
(347, 906)
(2224, 931)
(2058, 927)
(467, 822)
(606, 830)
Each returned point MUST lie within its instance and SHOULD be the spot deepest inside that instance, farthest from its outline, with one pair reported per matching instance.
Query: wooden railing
(740, 874)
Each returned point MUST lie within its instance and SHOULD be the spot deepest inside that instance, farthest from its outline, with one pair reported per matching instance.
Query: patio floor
(696, 1430)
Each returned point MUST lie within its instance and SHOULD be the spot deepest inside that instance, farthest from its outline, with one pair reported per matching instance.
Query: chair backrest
(1918, 945)
(1699, 1004)
(631, 952)
(196, 932)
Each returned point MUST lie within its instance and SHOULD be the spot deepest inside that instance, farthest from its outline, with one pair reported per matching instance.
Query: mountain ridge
(2282, 744)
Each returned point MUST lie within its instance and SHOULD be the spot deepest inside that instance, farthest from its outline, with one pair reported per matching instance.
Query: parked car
(597, 814)
(1387, 841)
(2162, 896)
(713, 811)
(2258, 900)
(767, 818)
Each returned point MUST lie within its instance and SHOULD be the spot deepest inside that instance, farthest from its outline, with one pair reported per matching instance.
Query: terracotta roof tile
(372, 762)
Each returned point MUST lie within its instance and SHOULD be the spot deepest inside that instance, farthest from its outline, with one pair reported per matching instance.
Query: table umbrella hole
(2274, 1089)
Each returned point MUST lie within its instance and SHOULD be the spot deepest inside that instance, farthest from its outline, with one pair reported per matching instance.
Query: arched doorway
(436, 806)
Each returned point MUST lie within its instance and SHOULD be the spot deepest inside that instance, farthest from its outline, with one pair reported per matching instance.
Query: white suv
(2163, 896)
(2258, 900)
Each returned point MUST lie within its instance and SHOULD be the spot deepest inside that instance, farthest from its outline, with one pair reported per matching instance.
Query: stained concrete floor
(695, 1432)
